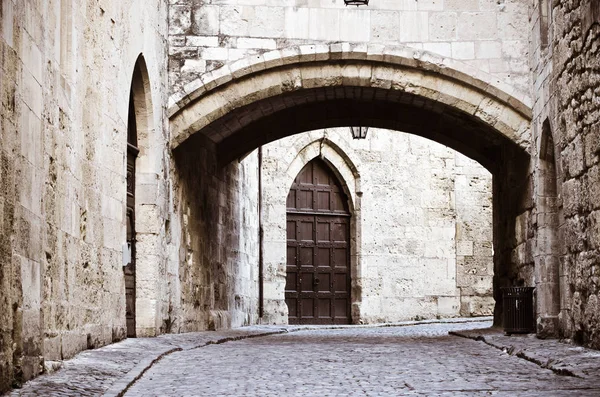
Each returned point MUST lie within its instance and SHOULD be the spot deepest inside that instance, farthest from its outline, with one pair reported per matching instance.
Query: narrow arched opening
(129, 270)
(549, 276)
(143, 224)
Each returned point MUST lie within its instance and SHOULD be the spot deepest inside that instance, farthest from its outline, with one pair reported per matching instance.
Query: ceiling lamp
(359, 132)
(356, 2)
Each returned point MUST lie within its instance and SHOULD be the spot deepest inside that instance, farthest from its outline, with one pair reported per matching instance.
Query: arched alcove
(143, 184)
(318, 280)
(548, 275)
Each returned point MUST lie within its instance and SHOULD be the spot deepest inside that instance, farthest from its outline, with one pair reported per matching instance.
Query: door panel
(341, 309)
(308, 310)
(324, 284)
(325, 308)
(318, 262)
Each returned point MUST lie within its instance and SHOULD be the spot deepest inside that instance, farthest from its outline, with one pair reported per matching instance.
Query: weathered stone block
(573, 194)
(205, 20)
(477, 26)
(573, 158)
(180, 18)
(384, 25)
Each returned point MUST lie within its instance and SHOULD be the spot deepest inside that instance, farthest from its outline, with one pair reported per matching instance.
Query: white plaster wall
(421, 244)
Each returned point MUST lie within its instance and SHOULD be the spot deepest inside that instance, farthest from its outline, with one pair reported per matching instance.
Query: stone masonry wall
(218, 256)
(490, 35)
(66, 70)
(544, 219)
(474, 235)
(575, 118)
(422, 245)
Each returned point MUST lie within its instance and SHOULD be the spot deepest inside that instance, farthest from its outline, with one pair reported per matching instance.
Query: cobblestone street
(406, 359)
(390, 361)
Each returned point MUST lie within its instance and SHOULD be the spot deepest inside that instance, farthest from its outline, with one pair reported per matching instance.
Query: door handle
(317, 281)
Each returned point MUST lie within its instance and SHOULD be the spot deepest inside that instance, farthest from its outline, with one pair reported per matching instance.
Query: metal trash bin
(518, 315)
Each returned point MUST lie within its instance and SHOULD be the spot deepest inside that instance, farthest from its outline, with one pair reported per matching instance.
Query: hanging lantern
(356, 2)
(359, 132)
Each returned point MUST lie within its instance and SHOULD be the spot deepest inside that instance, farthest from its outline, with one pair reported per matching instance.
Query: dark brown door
(129, 269)
(318, 248)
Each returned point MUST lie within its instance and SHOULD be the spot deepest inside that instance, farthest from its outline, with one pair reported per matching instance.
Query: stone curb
(120, 387)
(387, 325)
(553, 365)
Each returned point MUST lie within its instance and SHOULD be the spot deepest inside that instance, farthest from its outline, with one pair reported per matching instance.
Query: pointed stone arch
(148, 224)
(337, 159)
(309, 147)
(549, 214)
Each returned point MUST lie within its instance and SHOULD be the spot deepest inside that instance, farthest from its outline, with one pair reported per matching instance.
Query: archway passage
(317, 287)
(229, 112)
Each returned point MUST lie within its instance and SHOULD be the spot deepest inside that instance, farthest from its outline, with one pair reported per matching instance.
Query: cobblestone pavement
(419, 360)
(561, 358)
(110, 369)
(402, 360)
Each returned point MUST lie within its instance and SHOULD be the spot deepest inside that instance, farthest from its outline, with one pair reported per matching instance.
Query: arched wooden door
(317, 287)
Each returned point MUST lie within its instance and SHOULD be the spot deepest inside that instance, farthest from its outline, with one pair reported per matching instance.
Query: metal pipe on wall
(260, 239)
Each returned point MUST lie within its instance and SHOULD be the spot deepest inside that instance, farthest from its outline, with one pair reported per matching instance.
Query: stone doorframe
(148, 222)
(311, 145)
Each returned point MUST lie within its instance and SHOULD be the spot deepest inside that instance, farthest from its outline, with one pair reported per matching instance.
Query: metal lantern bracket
(356, 2)
(359, 132)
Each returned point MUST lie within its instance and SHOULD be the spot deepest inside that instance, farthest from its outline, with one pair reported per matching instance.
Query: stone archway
(347, 173)
(231, 111)
(309, 87)
(318, 280)
(147, 225)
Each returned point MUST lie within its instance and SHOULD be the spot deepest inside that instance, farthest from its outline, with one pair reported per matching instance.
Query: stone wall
(474, 235)
(421, 227)
(544, 219)
(218, 256)
(491, 36)
(572, 94)
(66, 70)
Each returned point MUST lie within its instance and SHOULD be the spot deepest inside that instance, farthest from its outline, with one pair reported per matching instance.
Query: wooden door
(318, 248)
(129, 269)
